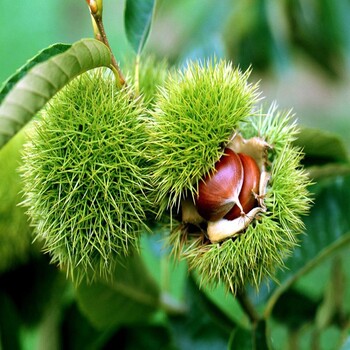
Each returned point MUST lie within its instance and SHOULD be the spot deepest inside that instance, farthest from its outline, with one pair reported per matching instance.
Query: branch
(100, 34)
(318, 259)
(248, 307)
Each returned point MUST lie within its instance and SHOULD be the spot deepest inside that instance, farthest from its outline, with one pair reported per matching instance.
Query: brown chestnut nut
(218, 191)
(250, 188)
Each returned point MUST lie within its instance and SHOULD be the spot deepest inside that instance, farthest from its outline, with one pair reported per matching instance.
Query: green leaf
(211, 308)
(261, 341)
(40, 281)
(225, 302)
(241, 338)
(132, 297)
(170, 275)
(42, 56)
(318, 172)
(78, 332)
(327, 223)
(142, 337)
(329, 284)
(255, 339)
(204, 326)
(325, 153)
(346, 345)
(328, 231)
(333, 296)
(138, 19)
(321, 39)
(44, 80)
(295, 309)
(321, 147)
(9, 324)
(254, 43)
(15, 232)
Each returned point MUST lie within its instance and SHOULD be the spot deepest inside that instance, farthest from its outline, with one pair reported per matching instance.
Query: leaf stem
(171, 306)
(248, 307)
(100, 34)
(137, 75)
(323, 255)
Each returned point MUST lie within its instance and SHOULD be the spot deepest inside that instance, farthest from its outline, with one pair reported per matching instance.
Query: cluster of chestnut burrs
(232, 195)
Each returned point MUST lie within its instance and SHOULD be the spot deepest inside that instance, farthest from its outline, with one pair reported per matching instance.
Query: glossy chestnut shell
(218, 191)
(249, 190)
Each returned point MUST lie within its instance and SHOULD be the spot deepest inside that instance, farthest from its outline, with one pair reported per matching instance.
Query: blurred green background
(299, 49)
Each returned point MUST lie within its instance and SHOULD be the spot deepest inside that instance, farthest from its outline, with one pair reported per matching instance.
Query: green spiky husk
(151, 75)
(194, 116)
(84, 183)
(263, 247)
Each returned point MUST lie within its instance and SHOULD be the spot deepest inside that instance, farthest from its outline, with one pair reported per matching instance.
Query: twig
(248, 307)
(137, 75)
(100, 34)
(320, 257)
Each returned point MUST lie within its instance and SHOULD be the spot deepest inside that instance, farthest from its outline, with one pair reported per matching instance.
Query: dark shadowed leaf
(252, 42)
(141, 337)
(295, 309)
(138, 19)
(319, 172)
(327, 224)
(241, 338)
(132, 297)
(44, 80)
(321, 147)
(78, 333)
(318, 31)
(204, 326)
(9, 324)
(39, 280)
(328, 231)
(227, 303)
(246, 339)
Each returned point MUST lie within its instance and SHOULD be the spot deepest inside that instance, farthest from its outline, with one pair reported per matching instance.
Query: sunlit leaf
(132, 297)
(44, 80)
(138, 19)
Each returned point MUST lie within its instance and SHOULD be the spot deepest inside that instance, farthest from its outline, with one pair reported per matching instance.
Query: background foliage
(300, 51)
